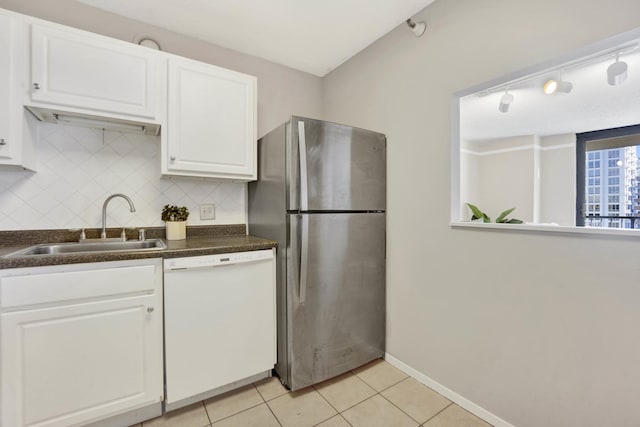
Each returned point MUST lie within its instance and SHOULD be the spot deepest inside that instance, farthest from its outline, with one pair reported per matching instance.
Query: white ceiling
(315, 36)
(592, 104)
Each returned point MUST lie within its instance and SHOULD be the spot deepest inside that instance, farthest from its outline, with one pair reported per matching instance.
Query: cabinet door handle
(36, 86)
(150, 309)
(172, 158)
(2, 141)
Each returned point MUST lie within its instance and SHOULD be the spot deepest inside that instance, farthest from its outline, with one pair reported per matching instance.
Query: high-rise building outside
(611, 190)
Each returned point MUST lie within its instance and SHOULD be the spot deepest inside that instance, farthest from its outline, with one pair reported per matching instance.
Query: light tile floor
(375, 395)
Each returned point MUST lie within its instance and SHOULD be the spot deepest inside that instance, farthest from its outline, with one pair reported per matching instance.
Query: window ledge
(546, 228)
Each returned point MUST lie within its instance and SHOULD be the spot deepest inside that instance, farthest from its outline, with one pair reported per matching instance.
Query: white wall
(504, 176)
(558, 179)
(469, 182)
(540, 329)
(506, 172)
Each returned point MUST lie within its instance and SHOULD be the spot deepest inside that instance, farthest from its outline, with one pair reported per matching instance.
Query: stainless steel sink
(90, 247)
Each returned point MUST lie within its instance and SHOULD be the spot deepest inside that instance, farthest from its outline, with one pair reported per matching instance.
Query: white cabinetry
(207, 114)
(80, 343)
(83, 72)
(219, 323)
(211, 122)
(16, 145)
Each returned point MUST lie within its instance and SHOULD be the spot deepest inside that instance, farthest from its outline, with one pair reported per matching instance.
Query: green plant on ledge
(501, 219)
(174, 213)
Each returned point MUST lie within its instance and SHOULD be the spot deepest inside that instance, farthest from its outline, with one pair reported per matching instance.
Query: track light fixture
(505, 102)
(617, 72)
(557, 86)
(418, 28)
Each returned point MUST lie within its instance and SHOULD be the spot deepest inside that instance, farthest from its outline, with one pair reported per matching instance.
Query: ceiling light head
(557, 86)
(550, 86)
(418, 28)
(564, 87)
(505, 102)
(617, 72)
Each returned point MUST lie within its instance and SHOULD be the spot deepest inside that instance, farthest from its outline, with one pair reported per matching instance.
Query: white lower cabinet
(80, 343)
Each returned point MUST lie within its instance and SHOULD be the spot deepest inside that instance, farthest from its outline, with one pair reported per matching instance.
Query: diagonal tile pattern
(79, 167)
(376, 394)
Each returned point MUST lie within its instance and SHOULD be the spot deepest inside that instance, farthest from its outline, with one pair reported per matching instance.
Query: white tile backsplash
(80, 167)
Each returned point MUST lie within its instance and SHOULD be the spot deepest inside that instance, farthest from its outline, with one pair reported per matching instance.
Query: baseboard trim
(448, 393)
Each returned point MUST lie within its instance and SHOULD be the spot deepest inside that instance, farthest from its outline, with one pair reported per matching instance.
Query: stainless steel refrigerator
(321, 193)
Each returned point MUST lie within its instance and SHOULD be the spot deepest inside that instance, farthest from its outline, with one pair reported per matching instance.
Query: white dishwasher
(220, 324)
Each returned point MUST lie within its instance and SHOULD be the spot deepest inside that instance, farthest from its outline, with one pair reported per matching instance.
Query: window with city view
(608, 182)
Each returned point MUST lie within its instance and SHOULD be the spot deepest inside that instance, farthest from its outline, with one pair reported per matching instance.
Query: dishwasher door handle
(224, 262)
(202, 267)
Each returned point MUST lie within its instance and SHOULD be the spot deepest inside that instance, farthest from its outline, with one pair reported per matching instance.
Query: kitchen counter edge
(192, 246)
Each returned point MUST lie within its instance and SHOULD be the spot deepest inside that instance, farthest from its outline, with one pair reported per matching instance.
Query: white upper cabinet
(16, 145)
(81, 72)
(211, 122)
(207, 114)
(7, 56)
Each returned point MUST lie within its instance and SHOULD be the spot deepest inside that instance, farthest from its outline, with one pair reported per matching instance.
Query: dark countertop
(201, 240)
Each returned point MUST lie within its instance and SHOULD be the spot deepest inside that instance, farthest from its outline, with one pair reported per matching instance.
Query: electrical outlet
(207, 212)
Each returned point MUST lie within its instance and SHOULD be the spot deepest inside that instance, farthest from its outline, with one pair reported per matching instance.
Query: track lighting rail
(587, 60)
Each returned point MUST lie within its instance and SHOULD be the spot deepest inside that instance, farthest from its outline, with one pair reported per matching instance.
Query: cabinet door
(70, 365)
(211, 123)
(8, 135)
(91, 73)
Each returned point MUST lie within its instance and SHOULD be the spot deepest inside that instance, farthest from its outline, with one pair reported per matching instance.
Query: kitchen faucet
(103, 234)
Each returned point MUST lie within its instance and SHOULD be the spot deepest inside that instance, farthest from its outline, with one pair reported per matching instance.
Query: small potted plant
(479, 216)
(175, 219)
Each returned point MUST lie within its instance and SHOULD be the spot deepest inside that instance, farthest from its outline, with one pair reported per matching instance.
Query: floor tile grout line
(273, 413)
(438, 413)
(259, 394)
(206, 412)
(345, 420)
(329, 403)
(401, 410)
(379, 391)
(473, 415)
(393, 385)
(286, 391)
(355, 404)
(234, 414)
(425, 386)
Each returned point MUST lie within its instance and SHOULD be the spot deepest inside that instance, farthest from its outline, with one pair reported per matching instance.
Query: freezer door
(336, 294)
(335, 167)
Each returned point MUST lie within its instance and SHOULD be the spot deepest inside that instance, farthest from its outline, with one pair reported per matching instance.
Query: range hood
(95, 122)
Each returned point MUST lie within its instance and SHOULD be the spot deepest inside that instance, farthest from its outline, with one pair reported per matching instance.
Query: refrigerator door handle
(304, 258)
(302, 151)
